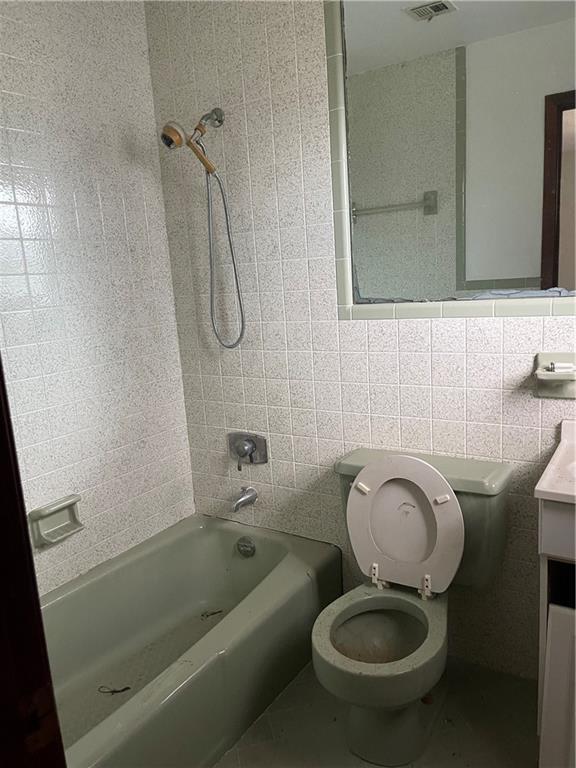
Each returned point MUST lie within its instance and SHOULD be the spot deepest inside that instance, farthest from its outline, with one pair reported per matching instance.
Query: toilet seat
(405, 524)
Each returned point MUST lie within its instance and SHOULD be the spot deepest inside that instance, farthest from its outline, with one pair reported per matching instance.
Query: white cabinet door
(557, 730)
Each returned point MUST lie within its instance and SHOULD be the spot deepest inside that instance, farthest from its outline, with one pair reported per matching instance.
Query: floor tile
(488, 721)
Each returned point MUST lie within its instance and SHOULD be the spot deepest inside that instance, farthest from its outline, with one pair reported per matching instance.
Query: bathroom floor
(489, 721)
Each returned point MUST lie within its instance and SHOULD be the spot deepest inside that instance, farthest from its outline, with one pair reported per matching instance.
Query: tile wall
(87, 337)
(314, 386)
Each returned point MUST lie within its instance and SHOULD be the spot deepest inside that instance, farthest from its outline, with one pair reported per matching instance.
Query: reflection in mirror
(445, 118)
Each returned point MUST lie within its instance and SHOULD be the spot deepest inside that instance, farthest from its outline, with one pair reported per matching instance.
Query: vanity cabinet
(556, 492)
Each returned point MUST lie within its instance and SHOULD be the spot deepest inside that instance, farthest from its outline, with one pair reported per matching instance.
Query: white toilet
(417, 523)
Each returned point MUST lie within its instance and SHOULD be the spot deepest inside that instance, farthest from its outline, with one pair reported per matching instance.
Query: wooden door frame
(29, 723)
(555, 105)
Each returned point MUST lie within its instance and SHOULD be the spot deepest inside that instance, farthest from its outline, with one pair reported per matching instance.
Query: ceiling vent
(430, 10)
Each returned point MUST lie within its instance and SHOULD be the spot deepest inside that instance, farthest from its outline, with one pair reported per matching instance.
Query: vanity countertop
(558, 481)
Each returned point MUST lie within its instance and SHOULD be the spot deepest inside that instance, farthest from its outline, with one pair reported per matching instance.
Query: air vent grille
(430, 10)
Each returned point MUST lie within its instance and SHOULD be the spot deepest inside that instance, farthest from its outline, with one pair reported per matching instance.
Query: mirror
(445, 113)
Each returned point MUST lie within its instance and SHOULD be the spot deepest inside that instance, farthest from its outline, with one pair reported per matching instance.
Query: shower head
(173, 135)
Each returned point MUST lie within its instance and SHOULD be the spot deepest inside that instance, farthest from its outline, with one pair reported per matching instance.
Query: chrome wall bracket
(54, 522)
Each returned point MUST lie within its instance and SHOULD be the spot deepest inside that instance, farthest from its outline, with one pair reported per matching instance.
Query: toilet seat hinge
(426, 591)
(374, 577)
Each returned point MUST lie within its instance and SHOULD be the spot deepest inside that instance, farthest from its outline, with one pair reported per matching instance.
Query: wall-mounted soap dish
(54, 522)
(556, 374)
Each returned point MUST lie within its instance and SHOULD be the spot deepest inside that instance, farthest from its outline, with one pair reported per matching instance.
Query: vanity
(556, 492)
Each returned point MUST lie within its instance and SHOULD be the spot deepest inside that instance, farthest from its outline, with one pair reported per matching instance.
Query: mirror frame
(347, 310)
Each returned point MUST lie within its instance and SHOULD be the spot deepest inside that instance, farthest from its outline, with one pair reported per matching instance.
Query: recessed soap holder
(55, 522)
(556, 374)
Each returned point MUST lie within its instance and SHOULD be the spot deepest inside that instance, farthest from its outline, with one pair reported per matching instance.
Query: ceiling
(379, 33)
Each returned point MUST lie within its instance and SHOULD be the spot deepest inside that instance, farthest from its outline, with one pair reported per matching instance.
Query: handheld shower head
(173, 135)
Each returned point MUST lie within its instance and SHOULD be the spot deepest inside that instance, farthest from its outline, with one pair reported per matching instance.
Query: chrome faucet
(247, 496)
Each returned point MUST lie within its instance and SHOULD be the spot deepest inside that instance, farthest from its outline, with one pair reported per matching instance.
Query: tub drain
(246, 547)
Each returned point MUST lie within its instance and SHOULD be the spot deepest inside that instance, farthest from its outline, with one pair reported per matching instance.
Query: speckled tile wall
(314, 386)
(88, 335)
(404, 254)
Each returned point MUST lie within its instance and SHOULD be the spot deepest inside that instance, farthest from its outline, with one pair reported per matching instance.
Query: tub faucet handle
(245, 448)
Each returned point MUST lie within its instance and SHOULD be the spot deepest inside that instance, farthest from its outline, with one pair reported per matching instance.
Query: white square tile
(302, 394)
(356, 427)
(523, 334)
(355, 398)
(353, 336)
(559, 334)
(383, 368)
(449, 437)
(300, 364)
(383, 336)
(415, 368)
(416, 402)
(518, 372)
(484, 440)
(484, 335)
(484, 371)
(520, 443)
(325, 336)
(354, 367)
(448, 370)
(484, 406)
(449, 335)
(304, 422)
(385, 400)
(414, 335)
(416, 434)
(328, 395)
(326, 366)
(520, 408)
(449, 403)
(385, 431)
(329, 425)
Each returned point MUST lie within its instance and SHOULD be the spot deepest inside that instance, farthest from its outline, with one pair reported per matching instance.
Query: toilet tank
(480, 487)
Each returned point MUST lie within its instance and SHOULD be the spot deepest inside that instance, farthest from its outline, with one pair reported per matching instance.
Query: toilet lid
(405, 524)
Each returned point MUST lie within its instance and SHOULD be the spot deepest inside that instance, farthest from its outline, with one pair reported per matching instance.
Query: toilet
(417, 524)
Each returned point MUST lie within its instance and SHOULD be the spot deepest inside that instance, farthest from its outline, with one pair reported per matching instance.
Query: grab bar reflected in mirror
(428, 203)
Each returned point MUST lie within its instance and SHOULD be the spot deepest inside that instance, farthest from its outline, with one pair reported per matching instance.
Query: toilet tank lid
(486, 478)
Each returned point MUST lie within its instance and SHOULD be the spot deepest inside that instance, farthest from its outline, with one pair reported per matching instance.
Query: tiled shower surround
(314, 386)
(88, 336)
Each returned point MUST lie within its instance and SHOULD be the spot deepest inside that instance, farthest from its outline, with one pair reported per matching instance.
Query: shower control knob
(247, 448)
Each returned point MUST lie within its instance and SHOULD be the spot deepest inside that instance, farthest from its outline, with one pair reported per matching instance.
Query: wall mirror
(445, 135)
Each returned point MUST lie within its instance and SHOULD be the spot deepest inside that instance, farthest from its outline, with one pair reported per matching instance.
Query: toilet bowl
(382, 648)
(384, 653)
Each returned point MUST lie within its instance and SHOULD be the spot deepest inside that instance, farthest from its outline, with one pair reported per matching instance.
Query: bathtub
(164, 655)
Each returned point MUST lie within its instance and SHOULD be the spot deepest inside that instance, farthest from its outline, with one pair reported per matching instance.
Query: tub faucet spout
(247, 496)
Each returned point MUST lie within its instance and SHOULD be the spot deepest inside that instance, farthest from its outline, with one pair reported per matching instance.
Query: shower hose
(232, 344)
